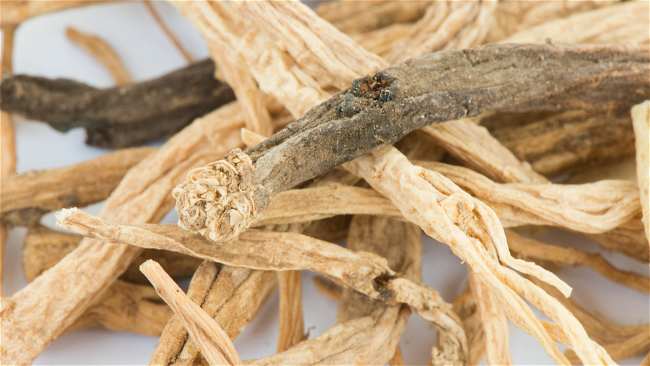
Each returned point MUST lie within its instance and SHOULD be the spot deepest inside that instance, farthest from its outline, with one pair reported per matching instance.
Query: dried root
(217, 200)
(364, 272)
(641, 122)
(231, 296)
(43, 248)
(214, 343)
(102, 52)
(535, 250)
(444, 212)
(26, 197)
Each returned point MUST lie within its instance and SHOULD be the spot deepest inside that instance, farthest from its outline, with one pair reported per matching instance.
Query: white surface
(41, 48)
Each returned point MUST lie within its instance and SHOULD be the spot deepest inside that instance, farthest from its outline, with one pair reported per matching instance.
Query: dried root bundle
(501, 92)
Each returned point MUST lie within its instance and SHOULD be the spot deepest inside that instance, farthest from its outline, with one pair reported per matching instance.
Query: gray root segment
(122, 116)
(442, 86)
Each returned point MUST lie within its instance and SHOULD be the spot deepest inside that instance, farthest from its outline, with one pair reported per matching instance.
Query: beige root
(170, 35)
(619, 341)
(26, 197)
(359, 17)
(364, 272)
(235, 73)
(475, 147)
(495, 323)
(129, 308)
(291, 319)
(513, 17)
(419, 195)
(445, 25)
(320, 202)
(46, 307)
(326, 54)
(275, 72)
(368, 332)
(532, 249)
(43, 248)
(641, 122)
(401, 244)
(466, 308)
(589, 208)
(14, 13)
(231, 296)
(629, 239)
(624, 22)
(102, 52)
(214, 343)
(396, 360)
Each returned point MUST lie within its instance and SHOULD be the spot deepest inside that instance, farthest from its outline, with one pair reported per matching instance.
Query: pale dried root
(641, 123)
(215, 345)
(14, 13)
(396, 360)
(513, 17)
(589, 208)
(291, 319)
(43, 248)
(102, 52)
(419, 195)
(495, 323)
(170, 35)
(621, 23)
(364, 272)
(26, 197)
(466, 308)
(129, 308)
(358, 17)
(474, 146)
(47, 306)
(329, 56)
(532, 249)
(276, 73)
(231, 296)
(401, 244)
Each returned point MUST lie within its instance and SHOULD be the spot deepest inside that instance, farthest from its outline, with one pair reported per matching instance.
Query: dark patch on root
(380, 284)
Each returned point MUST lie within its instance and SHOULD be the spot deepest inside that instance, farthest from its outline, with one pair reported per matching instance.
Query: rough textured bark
(446, 86)
(122, 116)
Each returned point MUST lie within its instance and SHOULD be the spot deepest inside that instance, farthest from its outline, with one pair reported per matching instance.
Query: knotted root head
(218, 199)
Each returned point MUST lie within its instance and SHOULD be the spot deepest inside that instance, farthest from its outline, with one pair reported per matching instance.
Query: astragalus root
(434, 88)
(214, 343)
(231, 296)
(48, 305)
(26, 197)
(364, 272)
(641, 122)
(445, 213)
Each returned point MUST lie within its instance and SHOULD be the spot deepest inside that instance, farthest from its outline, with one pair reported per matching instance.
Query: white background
(42, 49)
